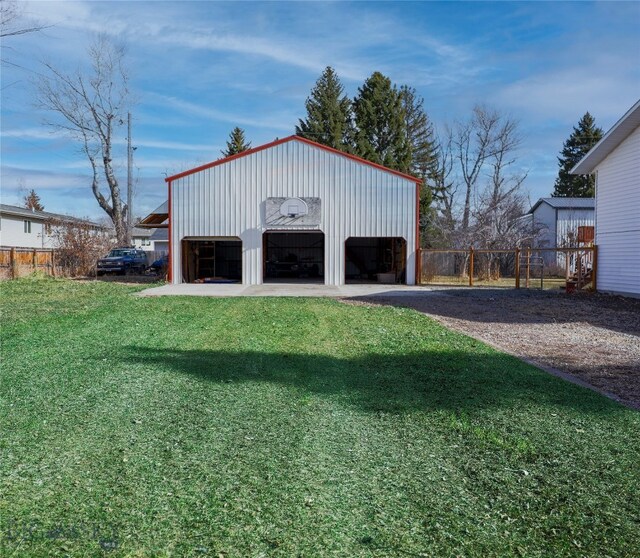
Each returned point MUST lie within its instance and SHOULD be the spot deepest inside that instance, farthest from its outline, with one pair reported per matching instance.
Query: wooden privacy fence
(570, 268)
(17, 262)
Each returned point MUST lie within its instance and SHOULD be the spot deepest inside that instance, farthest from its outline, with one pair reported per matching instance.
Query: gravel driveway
(594, 338)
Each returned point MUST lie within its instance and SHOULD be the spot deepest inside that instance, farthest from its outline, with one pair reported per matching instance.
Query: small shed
(292, 210)
(615, 161)
(561, 219)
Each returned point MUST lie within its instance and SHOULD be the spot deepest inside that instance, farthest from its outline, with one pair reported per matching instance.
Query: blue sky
(200, 68)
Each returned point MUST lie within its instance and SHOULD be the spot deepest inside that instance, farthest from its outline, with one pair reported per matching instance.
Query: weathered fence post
(53, 264)
(471, 266)
(517, 268)
(13, 264)
(34, 260)
(526, 283)
(594, 267)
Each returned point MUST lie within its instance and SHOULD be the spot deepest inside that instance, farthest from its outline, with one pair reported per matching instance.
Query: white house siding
(12, 233)
(228, 200)
(618, 218)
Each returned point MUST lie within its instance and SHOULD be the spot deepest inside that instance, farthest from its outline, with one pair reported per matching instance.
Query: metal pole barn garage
(293, 210)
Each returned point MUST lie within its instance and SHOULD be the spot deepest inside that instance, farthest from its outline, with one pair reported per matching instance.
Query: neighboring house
(141, 239)
(558, 220)
(26, 228)
(157, 223)
(160, 239)
(291, 210)
(615, 160)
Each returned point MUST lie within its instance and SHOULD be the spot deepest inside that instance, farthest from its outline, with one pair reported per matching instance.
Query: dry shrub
(78, 245)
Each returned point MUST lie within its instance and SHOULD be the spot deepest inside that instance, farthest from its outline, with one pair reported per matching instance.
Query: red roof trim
(285, 140)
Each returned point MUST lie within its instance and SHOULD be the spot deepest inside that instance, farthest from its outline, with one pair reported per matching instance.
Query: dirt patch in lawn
(594, 338)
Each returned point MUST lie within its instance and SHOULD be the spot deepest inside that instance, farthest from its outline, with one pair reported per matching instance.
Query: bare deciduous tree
(473, 141)
(12, 21)
(480, 201)
(501, 205)
(442, 220)
(92, 106)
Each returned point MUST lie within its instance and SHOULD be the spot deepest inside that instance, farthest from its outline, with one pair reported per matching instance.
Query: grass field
(293, 427)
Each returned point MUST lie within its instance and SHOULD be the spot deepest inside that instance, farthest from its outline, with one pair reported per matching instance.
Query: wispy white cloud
(33, 133)
(170, 145)
(42, 179)
(570, 92)
(282, 121)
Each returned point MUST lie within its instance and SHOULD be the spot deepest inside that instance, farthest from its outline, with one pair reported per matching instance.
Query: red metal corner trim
(170, 270)
(418, 256)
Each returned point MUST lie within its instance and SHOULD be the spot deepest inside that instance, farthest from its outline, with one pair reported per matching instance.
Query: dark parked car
(160, 264)
(122, 261)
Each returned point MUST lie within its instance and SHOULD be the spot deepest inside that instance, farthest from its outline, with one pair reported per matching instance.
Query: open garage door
(212, 260)
(379, 259)
(294, 256)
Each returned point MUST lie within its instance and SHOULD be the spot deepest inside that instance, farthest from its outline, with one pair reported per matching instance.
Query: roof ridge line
(285, 140)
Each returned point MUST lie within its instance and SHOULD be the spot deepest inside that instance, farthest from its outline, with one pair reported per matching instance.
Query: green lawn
(293, 427)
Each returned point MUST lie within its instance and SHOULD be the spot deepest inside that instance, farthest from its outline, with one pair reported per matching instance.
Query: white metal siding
(544, 217)
(568, 222)
(618, 218)
(356, 200)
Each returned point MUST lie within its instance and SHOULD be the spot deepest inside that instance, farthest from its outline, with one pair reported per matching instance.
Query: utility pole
(129, 179)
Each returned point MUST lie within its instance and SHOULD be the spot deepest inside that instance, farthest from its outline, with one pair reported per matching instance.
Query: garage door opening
(212, 260)
(294, 256)
(375, 260)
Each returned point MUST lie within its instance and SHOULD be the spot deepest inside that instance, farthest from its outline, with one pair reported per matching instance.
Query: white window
(27, 226)
(146, 242)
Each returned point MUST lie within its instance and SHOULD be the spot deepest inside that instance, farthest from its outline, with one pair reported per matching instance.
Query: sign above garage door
(282, 212)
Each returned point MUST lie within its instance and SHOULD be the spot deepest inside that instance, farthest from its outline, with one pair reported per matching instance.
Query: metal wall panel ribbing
(229, 200)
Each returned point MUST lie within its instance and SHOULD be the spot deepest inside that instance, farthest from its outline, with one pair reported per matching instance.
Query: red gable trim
(285, 140)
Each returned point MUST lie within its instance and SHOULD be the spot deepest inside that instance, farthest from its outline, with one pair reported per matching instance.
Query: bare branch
(11, 24)
(91, 105)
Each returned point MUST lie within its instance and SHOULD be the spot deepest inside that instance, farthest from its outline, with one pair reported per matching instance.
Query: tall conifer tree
(424, 151)
(236, 143)
(329, 116)
(582, 139)
(381, 130)
(32, 201)
(424, 155)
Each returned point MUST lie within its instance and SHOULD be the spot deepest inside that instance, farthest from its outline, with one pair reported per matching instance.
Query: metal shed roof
(285, 140)
(566, 203)
(612, 139)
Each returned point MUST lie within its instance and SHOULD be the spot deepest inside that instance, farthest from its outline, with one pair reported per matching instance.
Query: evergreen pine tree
(329, 117)
(424, 152)
(32, 201)
(381, 130)
(237, 143)
(583, 138)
